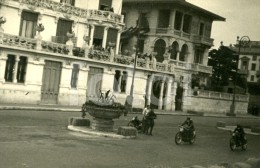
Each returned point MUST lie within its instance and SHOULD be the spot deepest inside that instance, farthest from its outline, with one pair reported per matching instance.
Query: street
(40, 139)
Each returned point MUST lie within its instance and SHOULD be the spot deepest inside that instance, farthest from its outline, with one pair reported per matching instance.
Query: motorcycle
(135, 122)
(184, 135)
(237, 141)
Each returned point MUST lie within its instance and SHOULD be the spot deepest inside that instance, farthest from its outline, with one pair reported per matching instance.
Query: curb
(76, 109)
(96, 133)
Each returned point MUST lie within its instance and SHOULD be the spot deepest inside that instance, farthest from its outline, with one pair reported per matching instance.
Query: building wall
(213, 102)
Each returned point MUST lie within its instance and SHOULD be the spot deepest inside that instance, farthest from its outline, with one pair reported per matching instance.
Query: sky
(242, 19)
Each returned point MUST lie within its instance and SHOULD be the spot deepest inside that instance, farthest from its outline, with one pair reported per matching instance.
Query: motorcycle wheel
(193, 139)
(244, 146)
(130, 124)
(232, 144)
(178, 139)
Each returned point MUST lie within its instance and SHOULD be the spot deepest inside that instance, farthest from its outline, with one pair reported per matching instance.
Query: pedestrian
(146, 110)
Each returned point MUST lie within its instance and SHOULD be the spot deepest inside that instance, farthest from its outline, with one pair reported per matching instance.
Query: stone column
(104, 42)
(149, 87)
(173, 96)
(2, 21)
(69, 43)
(86, 45)
(178, 56)
(168, 94)
(118, 41)
(160, 103)
(119, 83)
(3, 59)
(184, 97)
(15, 69)
(91, 35)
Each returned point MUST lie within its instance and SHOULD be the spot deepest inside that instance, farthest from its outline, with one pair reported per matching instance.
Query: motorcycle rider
(189, 125)
(240, 133)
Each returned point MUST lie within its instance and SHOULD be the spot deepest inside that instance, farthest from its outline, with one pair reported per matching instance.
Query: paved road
(39, 139)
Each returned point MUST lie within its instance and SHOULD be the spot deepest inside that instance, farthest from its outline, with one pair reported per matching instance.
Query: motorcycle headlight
(181, 129)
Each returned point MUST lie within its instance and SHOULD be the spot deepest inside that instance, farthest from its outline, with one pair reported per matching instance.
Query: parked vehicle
(135, 122)
(237, 141)
(185, 135)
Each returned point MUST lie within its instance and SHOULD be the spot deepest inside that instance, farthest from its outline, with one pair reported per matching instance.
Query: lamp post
(242, 42)
(131, 97)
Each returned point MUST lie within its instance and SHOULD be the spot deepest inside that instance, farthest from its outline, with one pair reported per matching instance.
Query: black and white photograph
(129, 84)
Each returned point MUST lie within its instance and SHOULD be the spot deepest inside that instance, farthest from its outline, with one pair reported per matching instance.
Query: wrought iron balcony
(69, 10)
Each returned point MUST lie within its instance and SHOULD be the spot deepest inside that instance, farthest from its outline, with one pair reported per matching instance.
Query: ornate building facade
(69, 51)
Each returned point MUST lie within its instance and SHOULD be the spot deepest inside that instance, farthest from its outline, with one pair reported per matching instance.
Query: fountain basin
(103, 115)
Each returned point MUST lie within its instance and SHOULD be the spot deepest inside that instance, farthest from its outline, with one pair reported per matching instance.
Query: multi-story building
(69, 51)
(180, 35)
(249, 60)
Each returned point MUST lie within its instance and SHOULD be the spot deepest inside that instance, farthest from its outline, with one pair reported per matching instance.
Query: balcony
(243, 72)
(162, 30)
(56, 48)
(203, 40)
(63, 39)
(68, 10)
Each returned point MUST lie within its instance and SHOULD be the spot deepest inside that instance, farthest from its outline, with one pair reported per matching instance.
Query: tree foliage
(223, 62)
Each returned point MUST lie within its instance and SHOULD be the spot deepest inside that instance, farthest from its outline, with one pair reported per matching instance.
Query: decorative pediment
(245, 58)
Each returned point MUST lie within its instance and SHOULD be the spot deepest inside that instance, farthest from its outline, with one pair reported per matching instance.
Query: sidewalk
(63, 108)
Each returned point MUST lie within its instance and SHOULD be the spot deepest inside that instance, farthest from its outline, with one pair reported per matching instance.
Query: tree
(224, 64)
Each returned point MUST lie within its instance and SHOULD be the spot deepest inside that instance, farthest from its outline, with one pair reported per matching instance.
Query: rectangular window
(253, 67)
(28, 24)
(178, 20)
(112, 36)
(71, 2)
(21, 71)
(105, 5)
(198, 56)
(201, 30)
(98, 36)
(63, 27)
(164, 18)
(252, 78)
(124, 81)
(120, 81)
(187, 23)
(9, 68)
(74, 76)
(116, 80)
(244, 65)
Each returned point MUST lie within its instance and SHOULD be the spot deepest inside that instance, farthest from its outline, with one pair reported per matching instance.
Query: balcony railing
(103, 56)
(72, 10)
(203, 40)
(63, 39)
(243, 72)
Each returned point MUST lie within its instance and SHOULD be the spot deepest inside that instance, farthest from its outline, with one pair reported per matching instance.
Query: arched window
(174, 50)
(159, 47)
(184, 51)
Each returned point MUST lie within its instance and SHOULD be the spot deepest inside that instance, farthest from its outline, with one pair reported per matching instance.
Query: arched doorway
(156, 91)
(184, 51)
(174, 50)
(179, 97)
(159, 47)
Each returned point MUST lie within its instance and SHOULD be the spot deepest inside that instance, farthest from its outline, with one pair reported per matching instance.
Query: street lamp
(242, 42)
(136, 47)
